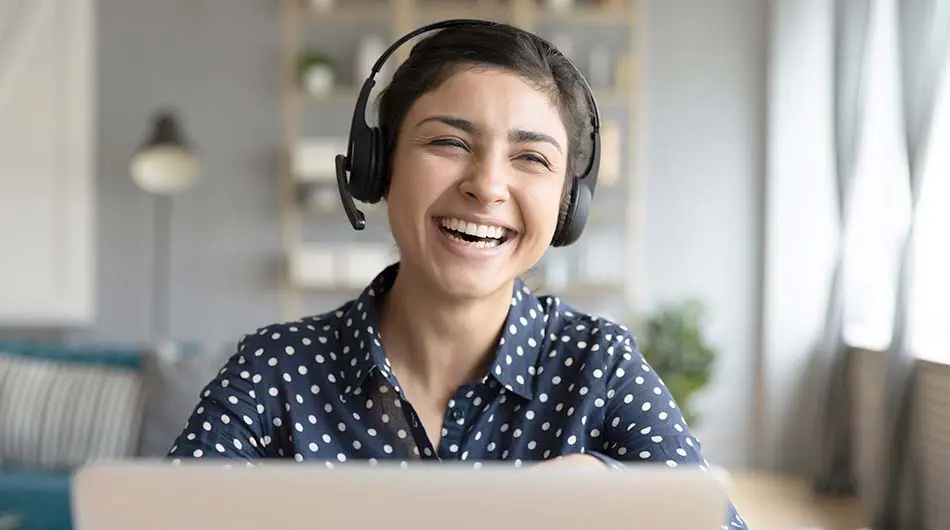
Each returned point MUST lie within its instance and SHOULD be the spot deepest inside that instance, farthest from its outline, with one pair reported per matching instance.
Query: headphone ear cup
(361, 165)
(573, 215)
(378, 179)
(367, 180)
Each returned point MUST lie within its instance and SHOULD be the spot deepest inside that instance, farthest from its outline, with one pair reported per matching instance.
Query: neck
(440, 343)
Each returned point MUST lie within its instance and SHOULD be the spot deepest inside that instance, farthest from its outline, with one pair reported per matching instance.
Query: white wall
(702, 147)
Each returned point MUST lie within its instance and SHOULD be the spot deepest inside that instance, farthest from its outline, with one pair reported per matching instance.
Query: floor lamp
(165, 165)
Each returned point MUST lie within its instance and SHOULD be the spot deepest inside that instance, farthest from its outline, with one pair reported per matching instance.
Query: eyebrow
(516, 135)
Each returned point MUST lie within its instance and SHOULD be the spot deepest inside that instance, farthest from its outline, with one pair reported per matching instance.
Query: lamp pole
(161, 267)
(165, 165)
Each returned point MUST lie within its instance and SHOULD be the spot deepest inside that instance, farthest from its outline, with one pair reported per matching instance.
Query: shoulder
(575, 329)
(308, 332)
(606, 350)
(634, 392)
(279, 353)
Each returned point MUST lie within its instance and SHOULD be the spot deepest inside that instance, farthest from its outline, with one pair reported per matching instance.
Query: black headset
(366, 154)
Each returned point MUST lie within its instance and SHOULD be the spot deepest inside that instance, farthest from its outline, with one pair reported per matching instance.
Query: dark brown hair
(440, 55)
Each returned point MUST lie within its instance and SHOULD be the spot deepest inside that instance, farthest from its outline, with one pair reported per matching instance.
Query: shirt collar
(516, 357)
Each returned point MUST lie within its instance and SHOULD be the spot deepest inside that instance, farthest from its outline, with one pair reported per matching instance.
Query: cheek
(540, 207)
(416, 184)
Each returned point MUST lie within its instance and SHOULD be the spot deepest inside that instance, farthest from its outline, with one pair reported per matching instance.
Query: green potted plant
(675, 345)
(317, 73)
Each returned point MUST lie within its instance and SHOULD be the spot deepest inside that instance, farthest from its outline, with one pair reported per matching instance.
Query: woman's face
(477, 178)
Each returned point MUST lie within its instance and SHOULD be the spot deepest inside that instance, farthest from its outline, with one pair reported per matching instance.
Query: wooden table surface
(770, 502)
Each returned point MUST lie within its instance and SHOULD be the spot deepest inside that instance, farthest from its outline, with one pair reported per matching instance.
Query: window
(881, 197)
(881, 213)
(929, 330)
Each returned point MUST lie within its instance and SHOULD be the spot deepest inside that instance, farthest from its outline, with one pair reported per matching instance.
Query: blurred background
(770, 222)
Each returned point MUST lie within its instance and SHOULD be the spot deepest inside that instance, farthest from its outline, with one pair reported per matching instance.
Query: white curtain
(922, 28)
(851, 25)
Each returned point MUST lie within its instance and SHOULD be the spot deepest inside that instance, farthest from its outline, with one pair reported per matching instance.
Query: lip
(470, 252)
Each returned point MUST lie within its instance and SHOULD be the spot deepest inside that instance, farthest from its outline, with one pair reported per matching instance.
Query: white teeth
(485, 231)
(477, 244)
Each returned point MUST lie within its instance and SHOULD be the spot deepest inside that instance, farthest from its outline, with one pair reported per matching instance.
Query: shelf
(584, 289)
(340, 14)
(337, 267)
(345, 293)
(435, 14)
(601, 217)
(375, 213)
(613, 96)
(602, 16)
(338, 96)
(311, 208)
(347, 96)
(606, 16)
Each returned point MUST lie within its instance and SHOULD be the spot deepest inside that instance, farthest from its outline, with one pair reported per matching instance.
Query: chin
(472, 286)
(464, 280)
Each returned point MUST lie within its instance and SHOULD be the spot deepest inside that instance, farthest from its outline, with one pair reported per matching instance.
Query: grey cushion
(174, 378)
(56, 414)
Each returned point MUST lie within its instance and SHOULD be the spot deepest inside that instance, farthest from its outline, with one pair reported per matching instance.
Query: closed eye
(536, 159)
(449, 142)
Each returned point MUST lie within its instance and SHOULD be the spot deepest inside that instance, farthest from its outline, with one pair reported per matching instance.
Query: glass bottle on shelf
(321, 5)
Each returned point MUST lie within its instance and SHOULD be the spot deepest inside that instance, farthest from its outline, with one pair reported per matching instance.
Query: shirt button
(457, 415)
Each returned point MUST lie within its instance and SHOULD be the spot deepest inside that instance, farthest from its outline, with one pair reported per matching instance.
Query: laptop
(147, 495)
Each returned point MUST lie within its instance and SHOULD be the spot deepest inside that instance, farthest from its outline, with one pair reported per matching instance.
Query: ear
(565, 201)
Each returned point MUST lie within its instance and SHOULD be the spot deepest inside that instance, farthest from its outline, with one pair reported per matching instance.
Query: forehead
(495, 99)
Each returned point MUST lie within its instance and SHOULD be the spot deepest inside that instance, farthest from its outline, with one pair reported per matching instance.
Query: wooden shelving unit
(617, 205)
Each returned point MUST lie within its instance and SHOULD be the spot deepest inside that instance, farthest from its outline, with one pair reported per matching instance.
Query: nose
(487, 182)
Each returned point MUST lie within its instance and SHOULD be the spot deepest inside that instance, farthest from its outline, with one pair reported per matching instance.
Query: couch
(64, 405)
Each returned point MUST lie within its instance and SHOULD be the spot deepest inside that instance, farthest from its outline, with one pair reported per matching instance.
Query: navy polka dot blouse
(321, 388)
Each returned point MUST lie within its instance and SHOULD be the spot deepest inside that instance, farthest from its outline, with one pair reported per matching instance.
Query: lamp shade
(165, 164)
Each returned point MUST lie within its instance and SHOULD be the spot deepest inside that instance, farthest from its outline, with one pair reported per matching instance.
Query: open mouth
(475, 235)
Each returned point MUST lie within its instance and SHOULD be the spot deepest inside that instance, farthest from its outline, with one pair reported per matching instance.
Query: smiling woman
(486, 155)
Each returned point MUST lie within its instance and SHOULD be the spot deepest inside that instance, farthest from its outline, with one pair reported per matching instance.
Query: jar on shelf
(317, 73)
(559, 6)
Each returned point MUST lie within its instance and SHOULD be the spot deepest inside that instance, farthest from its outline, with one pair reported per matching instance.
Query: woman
(447, 354)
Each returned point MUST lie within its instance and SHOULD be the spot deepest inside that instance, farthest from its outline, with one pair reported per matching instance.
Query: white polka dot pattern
(321, 388)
